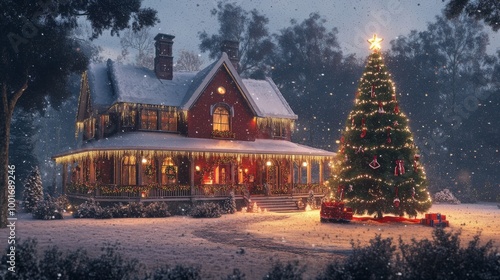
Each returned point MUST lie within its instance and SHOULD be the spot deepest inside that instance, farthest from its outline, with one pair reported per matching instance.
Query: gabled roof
(114, 83)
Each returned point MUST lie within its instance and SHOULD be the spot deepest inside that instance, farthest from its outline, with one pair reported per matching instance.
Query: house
(164, 135)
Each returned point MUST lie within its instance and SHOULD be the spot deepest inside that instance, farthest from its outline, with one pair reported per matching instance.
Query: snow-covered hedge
(206, 210)
(445, 196)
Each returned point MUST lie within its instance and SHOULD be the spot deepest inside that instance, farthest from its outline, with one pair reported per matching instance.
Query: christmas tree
(379, 167)
(33, 190)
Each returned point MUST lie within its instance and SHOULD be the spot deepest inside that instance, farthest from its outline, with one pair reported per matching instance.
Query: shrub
(135, 210)
(48, 209)
(445, 196)
(104, 213)
(443, 258)
(370, 262)
(88, 209)
(237, 275)
(26, 261)
(156, 210)
(229, 206)
(206, 210)
(110, 265)
(291, 270)
(179, 272)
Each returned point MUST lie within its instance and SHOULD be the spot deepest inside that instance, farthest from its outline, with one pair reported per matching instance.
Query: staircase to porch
(277, 203)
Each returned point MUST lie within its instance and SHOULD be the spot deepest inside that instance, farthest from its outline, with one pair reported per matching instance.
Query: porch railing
(171, 191)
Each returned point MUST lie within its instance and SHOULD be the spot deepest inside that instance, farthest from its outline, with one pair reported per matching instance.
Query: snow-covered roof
(166, 142)
(113, 82)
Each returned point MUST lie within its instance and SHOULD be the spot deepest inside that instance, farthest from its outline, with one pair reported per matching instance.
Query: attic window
(221, 90)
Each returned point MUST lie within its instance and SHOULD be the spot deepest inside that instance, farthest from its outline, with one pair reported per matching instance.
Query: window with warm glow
(221, 119)
(168, 121)
(149, 119)
(128, 116)
(149, 171)
(279, 130)
(89, 129)
(168, 171)
(129, 170)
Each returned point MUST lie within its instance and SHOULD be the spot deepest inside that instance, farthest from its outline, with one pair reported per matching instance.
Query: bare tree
(188, 61)
(140, 41)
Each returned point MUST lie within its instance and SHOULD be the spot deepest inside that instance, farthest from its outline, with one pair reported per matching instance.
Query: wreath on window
(170, 171)
(150, 171)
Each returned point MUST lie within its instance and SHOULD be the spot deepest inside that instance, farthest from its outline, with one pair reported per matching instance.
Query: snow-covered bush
(445, 196)
(33, 190)
(291, 270)
(177, 272)
(48, 209)
(88, 209)
(55, 264)
(206, 210)
(229, 206)
(157, 210)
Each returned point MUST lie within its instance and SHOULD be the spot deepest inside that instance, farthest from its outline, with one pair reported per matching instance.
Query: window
(168, 171)
(221, 119)
(129, 116)
(279, 130)
(89, 129)
(168, 121)
(129, 170)
(149, 119)
(149, 171)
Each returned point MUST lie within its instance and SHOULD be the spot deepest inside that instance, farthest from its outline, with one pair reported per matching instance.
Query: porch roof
(153, 143)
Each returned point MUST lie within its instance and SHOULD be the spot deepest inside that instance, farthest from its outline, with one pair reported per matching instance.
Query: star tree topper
(375, 43)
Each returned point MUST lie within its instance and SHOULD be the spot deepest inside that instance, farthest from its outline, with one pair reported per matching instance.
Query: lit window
(279, 130)
(149, 169)
(168, 121)
(221, 119)
(149, 119)
(128, 117)
(168, 171)
(129, 171)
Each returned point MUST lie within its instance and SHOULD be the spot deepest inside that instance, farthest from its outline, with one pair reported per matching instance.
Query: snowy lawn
(250, 242)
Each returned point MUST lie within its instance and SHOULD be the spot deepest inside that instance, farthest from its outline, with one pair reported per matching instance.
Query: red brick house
(159, 134)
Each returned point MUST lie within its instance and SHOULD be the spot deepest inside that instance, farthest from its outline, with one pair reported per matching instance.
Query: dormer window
(149, 119)
(221, 120)
(279, 130)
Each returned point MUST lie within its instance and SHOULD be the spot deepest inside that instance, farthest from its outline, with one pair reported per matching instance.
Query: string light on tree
(377, 155)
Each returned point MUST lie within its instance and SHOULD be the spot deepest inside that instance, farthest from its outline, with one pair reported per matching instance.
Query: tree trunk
(380, 215)
(7, 106)
(5, 119)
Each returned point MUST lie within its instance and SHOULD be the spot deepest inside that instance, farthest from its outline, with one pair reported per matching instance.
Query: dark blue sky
(356, 20)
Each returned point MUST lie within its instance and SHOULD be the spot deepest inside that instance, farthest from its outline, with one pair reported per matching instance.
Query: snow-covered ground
(248, 241)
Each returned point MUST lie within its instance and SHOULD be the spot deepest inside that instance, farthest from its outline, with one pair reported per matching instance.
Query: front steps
(277, 203)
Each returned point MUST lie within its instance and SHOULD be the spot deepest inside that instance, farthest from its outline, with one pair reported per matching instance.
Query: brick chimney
(164, 61)
(231, 49)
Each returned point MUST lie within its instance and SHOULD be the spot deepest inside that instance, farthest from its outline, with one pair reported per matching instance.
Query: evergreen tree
(33, 191)
(379, 164)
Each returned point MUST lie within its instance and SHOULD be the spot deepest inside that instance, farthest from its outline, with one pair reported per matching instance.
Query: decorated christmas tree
(33, 190)
(379, 168)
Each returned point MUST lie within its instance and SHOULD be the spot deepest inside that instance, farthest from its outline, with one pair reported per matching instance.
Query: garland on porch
(223, 134)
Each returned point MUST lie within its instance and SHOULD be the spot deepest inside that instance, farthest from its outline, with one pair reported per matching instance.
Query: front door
(272, 180)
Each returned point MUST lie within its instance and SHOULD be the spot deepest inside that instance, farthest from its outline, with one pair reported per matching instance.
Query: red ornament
(374, 164)
(380, 108)
(363, 132)
(363, 122)
(373, 91)
(359, 150)
(396, 201)
(415, 162)
(396, 109)
(388, 131)
(400, 168)
(342, 139)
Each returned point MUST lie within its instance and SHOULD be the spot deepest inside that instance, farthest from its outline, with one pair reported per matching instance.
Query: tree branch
(15, 97)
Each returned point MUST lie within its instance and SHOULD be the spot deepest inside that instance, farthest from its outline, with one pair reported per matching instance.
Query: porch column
(191, 174)
(64, 177)
(308, 170)
(321, 163)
